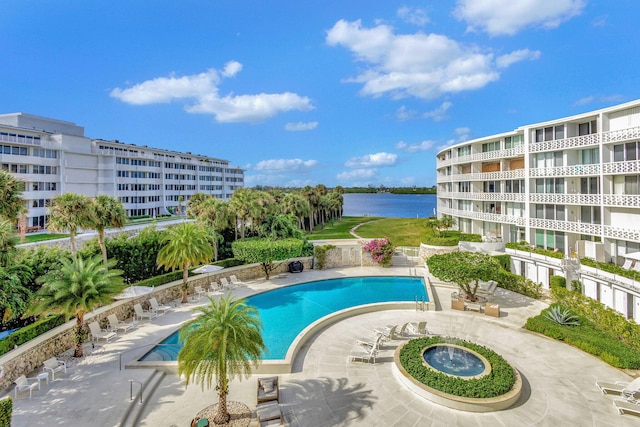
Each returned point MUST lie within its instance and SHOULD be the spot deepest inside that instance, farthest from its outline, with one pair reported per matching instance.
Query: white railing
(488, 155)
(621, 135)
(499, 197)
(621, 233)
(563, 144)
(488, 176)
(569, 226)
(491, 217)
(565, 199)
(621, 167)
(626, 200)
(575, 170)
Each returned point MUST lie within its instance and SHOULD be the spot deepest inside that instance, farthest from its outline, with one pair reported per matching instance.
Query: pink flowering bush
(381, 251)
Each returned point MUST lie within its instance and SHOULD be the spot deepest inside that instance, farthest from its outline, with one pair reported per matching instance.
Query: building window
(587, 128)
(513, 141)
(589, 185)
(590, 215)
(590, 156)
(464, 151)
(490, 146)
(626, 152)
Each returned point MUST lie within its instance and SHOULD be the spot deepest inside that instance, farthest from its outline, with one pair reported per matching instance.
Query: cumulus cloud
(357, 174)
(507, 17)
(372, 160)
(419, 65)
(201, 90)
(300, 126)
(286, 165)
(276, 181)
(505, 61)
(602, 99)
(413, 16)
(414, 148)
(439, 113)
(404, 114)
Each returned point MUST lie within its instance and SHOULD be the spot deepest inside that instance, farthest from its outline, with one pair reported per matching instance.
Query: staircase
(401, 260)
(139, 400)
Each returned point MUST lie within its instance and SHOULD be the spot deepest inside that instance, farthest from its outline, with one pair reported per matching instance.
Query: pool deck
(326, 390)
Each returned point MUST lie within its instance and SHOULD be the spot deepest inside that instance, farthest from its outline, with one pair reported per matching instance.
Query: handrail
(143, 346)
(131, 389)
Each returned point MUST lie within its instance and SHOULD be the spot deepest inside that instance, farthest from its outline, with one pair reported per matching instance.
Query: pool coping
(285, 366)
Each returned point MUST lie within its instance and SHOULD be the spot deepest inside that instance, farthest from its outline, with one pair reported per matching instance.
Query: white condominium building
(53, 157)
(571, 185)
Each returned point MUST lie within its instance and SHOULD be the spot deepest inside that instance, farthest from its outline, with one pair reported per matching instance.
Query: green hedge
(504, 260)
(450, 238)
(558, 281)
(612, 268)
(229, 262)
(6, 408)
(162, 279)
(29, 332)
(524, 246)
(498, 382)
(519, 284)
(589, 338)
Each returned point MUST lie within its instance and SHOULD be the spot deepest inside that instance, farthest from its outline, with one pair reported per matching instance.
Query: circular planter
(469, 404)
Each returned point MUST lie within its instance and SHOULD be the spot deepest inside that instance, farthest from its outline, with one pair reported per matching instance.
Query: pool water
(454, 360)
(285, 312)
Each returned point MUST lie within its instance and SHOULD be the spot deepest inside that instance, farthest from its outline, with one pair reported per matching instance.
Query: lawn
(340, 229)
(32, 238)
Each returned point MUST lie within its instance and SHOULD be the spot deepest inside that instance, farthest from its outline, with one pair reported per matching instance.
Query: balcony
(564, 144)
(623, 200)
(621, 167)
(621, 135)
(488, 176)
(491, 197)
(491, 217)
(621, 233)
(565, 199)
(576, 170)
(489, 155)
(626, 282)
(567, 226)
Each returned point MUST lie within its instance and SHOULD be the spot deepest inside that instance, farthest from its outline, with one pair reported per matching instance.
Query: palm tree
(14, 296)
(76, 288)
(224, 342)
(313, 199)
(213, 214)
(241, 203)
(296, 204)
(263, 204)
(11, 202)
(70, 211)
(184, 245)
(107, 212)
(8, 241)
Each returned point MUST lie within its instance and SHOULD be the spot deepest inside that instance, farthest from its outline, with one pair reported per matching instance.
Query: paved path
(325, 390)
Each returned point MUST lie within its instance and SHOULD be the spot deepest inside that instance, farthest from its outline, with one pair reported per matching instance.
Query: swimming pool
(285, 312)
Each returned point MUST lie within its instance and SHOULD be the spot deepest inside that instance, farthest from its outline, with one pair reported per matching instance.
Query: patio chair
(98, 334)
(117, 325)
(628, 390)
(53, 365)
(419, 328)
(269, 414)
(387, 333)
(199, 291)
(225, 283)
(268, 389)
(157, 308)
(236, 282)
(375, 343)
(403, 329)
(23, 384)
(143, 314)
(365, 355)
(625, 407)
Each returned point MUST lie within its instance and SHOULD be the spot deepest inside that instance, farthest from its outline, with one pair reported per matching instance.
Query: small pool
(454, 360)
(285, 312)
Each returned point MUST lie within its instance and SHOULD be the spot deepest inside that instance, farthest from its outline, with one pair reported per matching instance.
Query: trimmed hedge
(589, 338)
(6, 408)
(504, 260)
(611, 268)
(161, 279)
(29, 332)
(518, 284)
(229, 262)
(524, 246)
(558, 281)
(450, 238)
(500, 381)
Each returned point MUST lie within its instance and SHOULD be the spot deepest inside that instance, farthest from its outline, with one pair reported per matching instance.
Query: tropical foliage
(70, 212)
(11, 202)
(78, 287)
(562, 316)
(466, 269)
(380, 250)
(266, 251)
(222, 343)
(105, 212)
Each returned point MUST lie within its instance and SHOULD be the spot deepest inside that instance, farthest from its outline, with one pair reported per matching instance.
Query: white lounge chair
(388, 332)
(225, 283)
(419, 328)
(625, 407)
(98, 334)
(143, 314)
(117, 325)
(628, 390)
(236, 282)
(23, 384)
(375, 343)
(365, 355)
(199, 291)
(53, 365)
(157, 308)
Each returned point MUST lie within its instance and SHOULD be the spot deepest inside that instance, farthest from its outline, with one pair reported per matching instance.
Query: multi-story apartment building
(571, 185)
(53, 157)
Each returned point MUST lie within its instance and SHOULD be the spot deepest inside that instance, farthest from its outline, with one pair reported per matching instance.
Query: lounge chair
(98, 334)
(628, 390)
(269, 414)
(490, 290)
(23, 384)
(419, 328)
(199, 291)
(117, 325)
(268, 389)
(225, 283)
(403, 329)
(388, 332)
(157, 308)
(143, 314)
(364, 355)
(236, 282)
(375, 343)
(625, 407)
(53, 365)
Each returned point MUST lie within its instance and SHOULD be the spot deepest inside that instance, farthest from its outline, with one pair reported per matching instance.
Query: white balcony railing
(563, 144)
(576, 170)
(491, 217)
(568, 226)
(621, 135)
(488, 176)
(621, 233)
(621, 167)
(492, 197)
(489, 155)
(565, 199)
(625, 200)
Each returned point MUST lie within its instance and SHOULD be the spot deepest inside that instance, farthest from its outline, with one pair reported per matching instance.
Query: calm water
(390, 205)
(285, 312)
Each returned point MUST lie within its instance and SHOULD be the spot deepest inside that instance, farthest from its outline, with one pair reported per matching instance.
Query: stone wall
(427, 251)
(31, 355)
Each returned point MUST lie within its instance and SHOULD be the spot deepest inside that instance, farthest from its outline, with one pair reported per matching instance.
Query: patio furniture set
(482, 304)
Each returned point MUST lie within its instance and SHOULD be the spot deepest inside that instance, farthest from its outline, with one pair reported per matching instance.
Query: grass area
(340, 229)
(32, 238)
(401, 231)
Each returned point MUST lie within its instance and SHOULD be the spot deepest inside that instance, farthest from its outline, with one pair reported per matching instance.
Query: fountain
(455, 360)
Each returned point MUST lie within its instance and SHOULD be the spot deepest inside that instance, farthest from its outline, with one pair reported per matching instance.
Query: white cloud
(505, 61)
(300, 126)
(357, 174)
(419, 65)
(507, 17)
(408, 180)
(439, 113)
(276, 181)
(286, 165)
(414, 148)
(404, 114)
(604, 99)
(413, 16)
(463, 133)
(202, 91)
(372, 160)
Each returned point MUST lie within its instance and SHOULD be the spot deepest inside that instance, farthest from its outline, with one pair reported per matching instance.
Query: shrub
(524, 246)
(161, 279)
(29, 332)
(498, 382)
(6, 408)
(321, 255)
(576, 286)
(381, 251)
(518, 284)
(611, 268)
(504, 260)
(229, 262)
(558, 281)
(562, 316)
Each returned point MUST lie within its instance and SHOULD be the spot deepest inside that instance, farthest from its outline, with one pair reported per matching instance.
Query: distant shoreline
(424, 190)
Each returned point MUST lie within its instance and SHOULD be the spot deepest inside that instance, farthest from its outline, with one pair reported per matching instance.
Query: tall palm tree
(69, 212)
(76, 288)
(313, 199)
(263, 204)
(213, 214)
(184, 245)
(8, 241)
(11, 202)
(224, 342)
(296, 204)
(241, 203)
(107, 212)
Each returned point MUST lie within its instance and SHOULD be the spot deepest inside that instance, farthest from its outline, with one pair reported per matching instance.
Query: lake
(390, 205)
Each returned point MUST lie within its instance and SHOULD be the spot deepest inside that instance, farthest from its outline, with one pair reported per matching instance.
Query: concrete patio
(325, 389)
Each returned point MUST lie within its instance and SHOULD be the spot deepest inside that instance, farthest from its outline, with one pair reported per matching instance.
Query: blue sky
(307, 92)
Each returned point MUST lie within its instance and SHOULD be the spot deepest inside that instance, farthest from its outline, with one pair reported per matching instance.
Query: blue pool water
(285, 312)
(5, 334)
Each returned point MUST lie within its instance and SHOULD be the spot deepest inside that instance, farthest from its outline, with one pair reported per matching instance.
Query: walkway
(325, 390)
